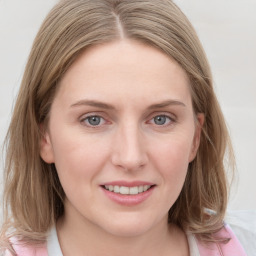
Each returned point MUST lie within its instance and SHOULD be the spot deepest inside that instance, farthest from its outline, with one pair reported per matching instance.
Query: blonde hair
(33, 195)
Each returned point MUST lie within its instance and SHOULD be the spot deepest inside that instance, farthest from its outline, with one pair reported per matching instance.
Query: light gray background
(227, 29)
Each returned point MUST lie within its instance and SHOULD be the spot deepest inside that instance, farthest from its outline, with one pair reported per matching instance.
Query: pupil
(160, 120)
(94, 120)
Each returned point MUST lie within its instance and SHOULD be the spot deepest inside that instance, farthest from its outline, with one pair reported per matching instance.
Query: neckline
(53, 245)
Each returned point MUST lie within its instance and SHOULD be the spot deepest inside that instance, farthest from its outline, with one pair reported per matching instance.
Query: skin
(138, 83)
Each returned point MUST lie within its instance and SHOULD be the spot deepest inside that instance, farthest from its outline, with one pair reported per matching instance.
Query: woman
(117, 140)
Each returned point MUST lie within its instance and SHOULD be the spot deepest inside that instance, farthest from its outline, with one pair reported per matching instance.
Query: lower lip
(128, 200)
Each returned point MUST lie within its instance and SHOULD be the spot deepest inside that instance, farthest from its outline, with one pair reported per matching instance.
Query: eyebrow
(167, 103)
(92, 103)
(99, 104)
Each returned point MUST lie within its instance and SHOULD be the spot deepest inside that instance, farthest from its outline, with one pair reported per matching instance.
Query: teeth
(146, 187)
(124, 190)
(134, 191)
(127, 190)
(116, 189)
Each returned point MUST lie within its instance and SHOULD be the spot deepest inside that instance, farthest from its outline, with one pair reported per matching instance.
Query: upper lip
(128, 183)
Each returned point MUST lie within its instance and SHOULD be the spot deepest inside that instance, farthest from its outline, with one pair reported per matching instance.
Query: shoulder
(240, 227)
(243, 224)
(22, 249)
(231, 248)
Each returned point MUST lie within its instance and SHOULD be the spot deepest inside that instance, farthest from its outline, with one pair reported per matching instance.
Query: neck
(78, 236)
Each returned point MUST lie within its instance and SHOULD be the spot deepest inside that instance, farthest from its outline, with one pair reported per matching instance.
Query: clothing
(242, 226)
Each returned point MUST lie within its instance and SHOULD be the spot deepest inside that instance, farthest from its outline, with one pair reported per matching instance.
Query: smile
(128, 193)
(127, 190)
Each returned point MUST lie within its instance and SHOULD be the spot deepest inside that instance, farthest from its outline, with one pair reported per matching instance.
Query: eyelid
(167, 117)
(82, 118)
(172, 117)
(93, 114)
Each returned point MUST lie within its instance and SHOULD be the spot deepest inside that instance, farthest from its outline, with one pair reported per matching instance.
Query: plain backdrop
(227, 29)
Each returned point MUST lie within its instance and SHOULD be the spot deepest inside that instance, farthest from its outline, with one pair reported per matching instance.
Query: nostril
(129, 152)
(129, 163)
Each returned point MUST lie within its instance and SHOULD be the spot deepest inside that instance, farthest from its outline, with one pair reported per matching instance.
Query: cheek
(78, 158)
(171, 158)
(78, 162)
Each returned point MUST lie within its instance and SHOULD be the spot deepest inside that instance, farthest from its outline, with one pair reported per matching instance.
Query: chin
(130, 226)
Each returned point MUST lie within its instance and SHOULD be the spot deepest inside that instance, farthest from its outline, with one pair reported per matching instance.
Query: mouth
(124, 190)
(128, 193)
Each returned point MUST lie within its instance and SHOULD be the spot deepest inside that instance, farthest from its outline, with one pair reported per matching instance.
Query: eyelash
(85, 120)
(171, 120)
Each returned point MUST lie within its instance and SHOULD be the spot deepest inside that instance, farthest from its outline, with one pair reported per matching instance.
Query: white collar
(193, 249)
(53, 246)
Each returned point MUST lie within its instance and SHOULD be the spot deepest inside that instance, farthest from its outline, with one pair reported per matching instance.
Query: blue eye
(161, 120)
(93, 120)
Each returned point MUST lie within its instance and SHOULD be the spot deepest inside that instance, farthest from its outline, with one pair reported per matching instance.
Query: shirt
(242, 223)
(242, 243)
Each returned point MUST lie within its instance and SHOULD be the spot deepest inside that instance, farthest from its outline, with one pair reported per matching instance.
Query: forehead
(124, 69)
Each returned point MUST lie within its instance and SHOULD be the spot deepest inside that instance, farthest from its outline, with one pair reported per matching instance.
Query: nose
(129, 150)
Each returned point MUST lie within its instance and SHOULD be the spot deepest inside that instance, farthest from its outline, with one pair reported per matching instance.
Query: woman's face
(122, 120)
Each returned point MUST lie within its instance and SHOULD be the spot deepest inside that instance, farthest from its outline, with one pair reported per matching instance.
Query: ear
(46, 149)
(197, 135)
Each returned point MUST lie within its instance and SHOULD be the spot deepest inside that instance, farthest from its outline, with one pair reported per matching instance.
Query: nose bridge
(129, 151)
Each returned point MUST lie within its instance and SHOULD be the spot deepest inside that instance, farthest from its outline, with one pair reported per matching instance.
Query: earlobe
(197, 135)
(46, 150)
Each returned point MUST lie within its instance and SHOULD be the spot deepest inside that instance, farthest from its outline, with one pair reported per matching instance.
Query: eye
(93, 120)
(161, 120)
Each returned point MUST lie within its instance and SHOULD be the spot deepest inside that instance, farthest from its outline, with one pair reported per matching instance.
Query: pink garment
(22, 250)
(232, 248)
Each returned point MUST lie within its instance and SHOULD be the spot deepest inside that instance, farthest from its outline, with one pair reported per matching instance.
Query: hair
(33, 195)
